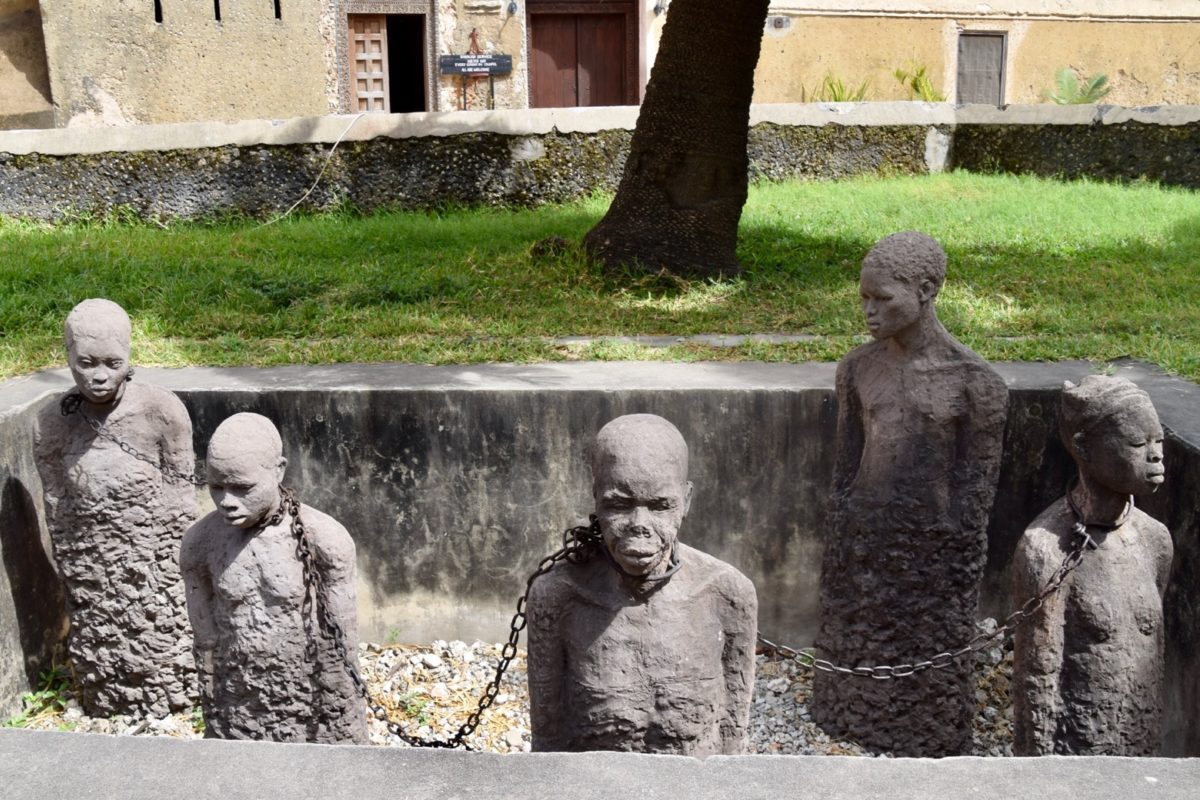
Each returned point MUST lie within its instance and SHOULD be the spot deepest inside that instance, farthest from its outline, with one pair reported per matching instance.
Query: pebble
(431, 690)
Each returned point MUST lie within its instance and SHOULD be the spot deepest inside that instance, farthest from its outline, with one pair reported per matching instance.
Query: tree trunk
(681, 196)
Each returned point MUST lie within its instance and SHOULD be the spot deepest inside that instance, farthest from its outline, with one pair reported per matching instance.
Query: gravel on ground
(430, 691)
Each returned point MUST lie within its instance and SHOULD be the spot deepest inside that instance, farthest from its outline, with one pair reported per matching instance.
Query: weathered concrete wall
(455, 481)
(536, 156)
(33, 620)
(112, 64)
(24, 76)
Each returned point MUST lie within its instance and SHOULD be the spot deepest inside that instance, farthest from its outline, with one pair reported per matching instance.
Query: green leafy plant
(1068, 91)
(54, 687)
(415, 706)
(198, 724)
(834, 90)
(916, 82)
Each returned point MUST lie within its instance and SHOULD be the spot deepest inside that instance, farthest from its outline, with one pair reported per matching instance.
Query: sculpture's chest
(261, 571)
(1113, 599)
(642, 648)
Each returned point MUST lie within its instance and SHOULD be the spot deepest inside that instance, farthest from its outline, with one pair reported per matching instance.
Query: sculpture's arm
(336, 555)
(1038, 649)
(175, 439)
(979, 446)
(198, 590)
(1166, 553)
(741, 630)
(850, 432)
(546, 667)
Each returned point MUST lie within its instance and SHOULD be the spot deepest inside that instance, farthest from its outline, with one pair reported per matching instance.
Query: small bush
(1069, 91)
(917, 83)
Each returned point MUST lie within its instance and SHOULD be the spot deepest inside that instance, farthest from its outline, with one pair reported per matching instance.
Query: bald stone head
(642, 494)
(97, 334)
(245, 469)
(1111, 429)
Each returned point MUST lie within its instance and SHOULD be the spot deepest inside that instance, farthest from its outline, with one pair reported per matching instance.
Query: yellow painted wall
(110, 63)
(1147, 63)
(24, 77)
(794, 61)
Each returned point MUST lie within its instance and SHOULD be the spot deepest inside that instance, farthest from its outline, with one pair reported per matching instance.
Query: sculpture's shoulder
(200, 539)
(567, 583)
(861, 356)
(158, 404)
(49, 425)
(976, 372)
(1156, 535)
(708, 573)
(328, 536)
(1045, 542)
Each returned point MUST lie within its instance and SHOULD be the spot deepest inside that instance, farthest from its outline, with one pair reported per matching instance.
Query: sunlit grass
(1038, 270)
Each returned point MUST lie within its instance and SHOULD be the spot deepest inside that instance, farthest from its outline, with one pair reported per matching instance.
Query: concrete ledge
(36, 766)
(537, 122)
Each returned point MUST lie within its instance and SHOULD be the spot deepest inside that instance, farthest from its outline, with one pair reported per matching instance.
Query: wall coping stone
(38, 765)
(1176, 400)
(535, 122)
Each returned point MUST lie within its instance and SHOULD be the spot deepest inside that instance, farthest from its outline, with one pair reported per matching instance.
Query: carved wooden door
(368, 62)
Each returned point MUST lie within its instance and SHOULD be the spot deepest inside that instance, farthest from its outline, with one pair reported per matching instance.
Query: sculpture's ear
(687, 499)
(1077, 444)
(926, 291)
(280, 468)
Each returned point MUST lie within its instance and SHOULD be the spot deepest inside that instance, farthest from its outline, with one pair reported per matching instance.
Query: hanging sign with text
(475, 65)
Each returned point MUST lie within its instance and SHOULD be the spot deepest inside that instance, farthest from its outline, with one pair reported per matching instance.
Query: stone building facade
(82, 62)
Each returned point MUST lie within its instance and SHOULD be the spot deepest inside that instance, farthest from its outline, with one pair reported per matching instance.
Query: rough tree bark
(681, 195)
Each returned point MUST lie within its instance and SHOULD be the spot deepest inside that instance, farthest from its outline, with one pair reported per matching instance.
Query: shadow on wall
(37, 592)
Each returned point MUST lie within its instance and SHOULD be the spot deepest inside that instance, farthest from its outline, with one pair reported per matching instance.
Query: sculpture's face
(1126, 455)
(890, 306)
(244, 490)
(100, 366)
(640, 503)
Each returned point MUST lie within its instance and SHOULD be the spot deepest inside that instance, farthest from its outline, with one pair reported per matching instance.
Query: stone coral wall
(531, 157)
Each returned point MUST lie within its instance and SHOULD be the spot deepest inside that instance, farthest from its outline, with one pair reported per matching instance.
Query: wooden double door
(582, 53)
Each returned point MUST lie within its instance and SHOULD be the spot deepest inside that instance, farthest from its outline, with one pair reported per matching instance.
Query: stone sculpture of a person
(1088, 667)
(266, 651)
(649, 645)
(116, 520)
(919, 438)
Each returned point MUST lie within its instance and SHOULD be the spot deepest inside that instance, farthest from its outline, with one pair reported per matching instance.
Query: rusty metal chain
(71, 404)
(580, 543)
(945, 659)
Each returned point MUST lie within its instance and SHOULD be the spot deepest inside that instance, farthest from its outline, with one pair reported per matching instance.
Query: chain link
(72, 403)
(944, 659)
(580, 544)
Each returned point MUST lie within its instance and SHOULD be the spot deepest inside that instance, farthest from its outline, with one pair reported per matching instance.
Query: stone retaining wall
(261, 168)
(455, 481)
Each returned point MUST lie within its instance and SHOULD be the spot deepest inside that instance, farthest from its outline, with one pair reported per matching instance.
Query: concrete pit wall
(524, 158)
(455, 481)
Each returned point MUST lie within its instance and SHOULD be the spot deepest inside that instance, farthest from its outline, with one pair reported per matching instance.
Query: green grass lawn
(1038, 270)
